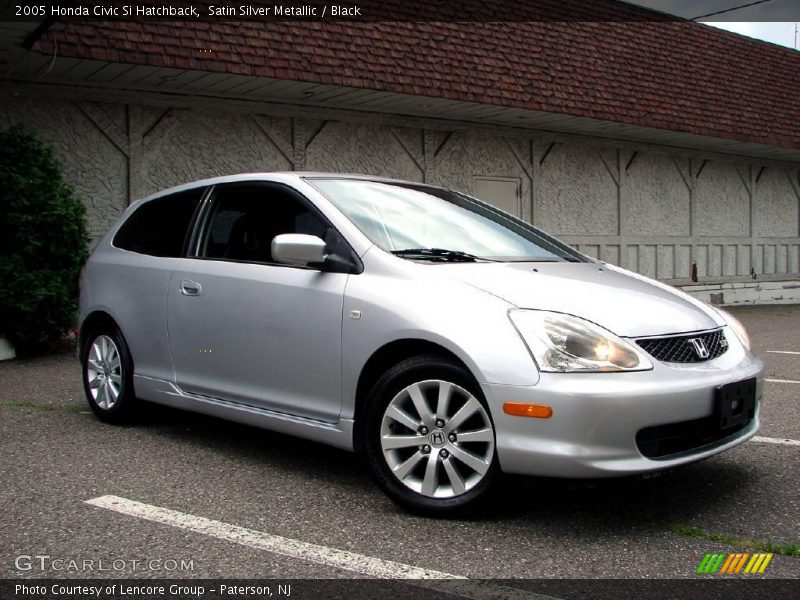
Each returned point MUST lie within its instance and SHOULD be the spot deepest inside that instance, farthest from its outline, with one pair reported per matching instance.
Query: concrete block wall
(652, 212)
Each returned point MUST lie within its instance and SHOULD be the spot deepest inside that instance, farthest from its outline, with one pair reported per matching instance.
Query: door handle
(191, 288)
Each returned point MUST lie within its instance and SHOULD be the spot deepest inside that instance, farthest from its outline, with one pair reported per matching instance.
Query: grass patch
(69, 409)
(722, 538)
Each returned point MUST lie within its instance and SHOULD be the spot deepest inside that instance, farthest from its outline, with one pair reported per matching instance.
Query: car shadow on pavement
(670, 496)
(249, 443)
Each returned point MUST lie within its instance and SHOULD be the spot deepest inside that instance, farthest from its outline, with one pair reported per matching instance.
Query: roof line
(731, 9)
(34, 35)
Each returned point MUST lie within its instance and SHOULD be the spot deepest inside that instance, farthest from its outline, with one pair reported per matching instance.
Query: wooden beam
(407, 151)
(298, 144)
(272, 137)
(631, 161)
(158, 131)
(614, 172)
(547, 153)
(700, 170)
(315, 133)
(520, 162)
(443, 143)
(794, 181)
(103, 124)
(136, 162)
(429, 154)
(745, 180)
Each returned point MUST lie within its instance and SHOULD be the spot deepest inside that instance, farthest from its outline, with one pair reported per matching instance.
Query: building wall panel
(656, 197)
(721, 201)
(676, 210)
(360, 148)
(648, 260)
(776, 205)
(665, 265)
(683, 261)
(208, 144)
(574, 194)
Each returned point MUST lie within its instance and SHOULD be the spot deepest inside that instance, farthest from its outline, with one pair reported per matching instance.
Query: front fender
(470, 323)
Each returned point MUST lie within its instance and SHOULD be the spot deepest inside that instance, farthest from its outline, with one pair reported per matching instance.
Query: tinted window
(245, 219)
(159, 227)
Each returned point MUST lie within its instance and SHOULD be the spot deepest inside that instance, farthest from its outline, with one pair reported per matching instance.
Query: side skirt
(338, 434)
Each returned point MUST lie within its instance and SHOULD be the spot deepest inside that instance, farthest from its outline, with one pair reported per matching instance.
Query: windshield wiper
(437, 254)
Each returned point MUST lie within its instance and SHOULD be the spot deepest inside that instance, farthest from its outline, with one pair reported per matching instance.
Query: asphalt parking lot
(56, 456)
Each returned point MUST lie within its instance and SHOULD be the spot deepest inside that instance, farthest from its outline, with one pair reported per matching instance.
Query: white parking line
(332, 557)
(772, 440)
(782, 352)
(340, 559)
(782, 380)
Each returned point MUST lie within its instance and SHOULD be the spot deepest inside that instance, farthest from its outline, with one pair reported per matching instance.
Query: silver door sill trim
(339, 434)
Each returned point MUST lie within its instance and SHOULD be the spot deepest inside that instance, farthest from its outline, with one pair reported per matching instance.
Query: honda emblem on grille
(699, 347)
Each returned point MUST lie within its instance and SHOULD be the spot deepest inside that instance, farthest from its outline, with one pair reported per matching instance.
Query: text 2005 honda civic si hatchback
(445, 339)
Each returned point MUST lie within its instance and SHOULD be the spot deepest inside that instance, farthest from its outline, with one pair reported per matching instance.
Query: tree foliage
(43, 244)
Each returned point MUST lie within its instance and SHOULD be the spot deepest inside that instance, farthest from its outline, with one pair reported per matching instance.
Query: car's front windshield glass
(426, 223)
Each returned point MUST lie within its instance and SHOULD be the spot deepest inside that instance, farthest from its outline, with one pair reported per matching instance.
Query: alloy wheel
(437, 439)
(104, 372)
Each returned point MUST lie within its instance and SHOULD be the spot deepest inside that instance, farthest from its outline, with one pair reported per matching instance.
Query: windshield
(425, 223)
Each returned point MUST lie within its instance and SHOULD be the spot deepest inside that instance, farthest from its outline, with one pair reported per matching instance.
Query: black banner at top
(403, 10)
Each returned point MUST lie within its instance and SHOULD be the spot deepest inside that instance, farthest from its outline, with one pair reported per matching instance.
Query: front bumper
(596, 417)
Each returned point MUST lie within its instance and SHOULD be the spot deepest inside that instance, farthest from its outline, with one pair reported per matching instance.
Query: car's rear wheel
(429, 438)
(107, 375)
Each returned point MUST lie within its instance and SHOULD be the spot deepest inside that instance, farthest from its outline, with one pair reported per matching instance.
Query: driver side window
(245, 218)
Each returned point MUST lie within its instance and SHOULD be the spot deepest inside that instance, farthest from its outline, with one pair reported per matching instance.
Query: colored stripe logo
(734, 563)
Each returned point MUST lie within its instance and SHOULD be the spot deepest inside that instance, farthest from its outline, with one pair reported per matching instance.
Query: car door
(245, 329)
(132, 281)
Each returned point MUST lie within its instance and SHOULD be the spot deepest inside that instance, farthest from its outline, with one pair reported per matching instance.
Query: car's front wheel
(429, 438)
(107, 375)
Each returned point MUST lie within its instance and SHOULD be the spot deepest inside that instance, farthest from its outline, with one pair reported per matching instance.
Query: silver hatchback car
(445, 339)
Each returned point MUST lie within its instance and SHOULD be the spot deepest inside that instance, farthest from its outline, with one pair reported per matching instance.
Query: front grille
(687, 348)
(666, 441)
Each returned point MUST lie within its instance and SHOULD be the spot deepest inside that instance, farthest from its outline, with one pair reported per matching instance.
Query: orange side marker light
(522, 409)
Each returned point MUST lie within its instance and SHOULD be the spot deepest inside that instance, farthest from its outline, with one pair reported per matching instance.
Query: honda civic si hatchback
(445, 339)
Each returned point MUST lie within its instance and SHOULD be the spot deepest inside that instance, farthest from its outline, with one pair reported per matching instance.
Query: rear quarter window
(160, 227)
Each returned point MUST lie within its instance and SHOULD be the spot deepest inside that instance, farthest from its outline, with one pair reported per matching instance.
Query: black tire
(398, 378)
(124, 408)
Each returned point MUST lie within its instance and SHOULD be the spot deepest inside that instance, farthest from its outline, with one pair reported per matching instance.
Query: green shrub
(43, 244)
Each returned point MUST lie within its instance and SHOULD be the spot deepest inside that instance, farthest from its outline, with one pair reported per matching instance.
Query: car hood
(623, 302)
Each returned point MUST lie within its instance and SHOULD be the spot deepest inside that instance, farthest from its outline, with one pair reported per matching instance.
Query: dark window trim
(205, 213)
(251, 262)
(165, 196)
(199, 211)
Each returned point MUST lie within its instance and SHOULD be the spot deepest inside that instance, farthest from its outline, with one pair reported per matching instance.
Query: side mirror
(298, 249)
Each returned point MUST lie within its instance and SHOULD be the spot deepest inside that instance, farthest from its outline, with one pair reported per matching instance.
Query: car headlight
(561, 343)
(736, 326)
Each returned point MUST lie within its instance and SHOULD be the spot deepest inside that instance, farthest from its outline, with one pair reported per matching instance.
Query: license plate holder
(734, 403)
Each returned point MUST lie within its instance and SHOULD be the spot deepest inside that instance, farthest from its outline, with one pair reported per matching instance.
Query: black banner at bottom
(705, 588)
